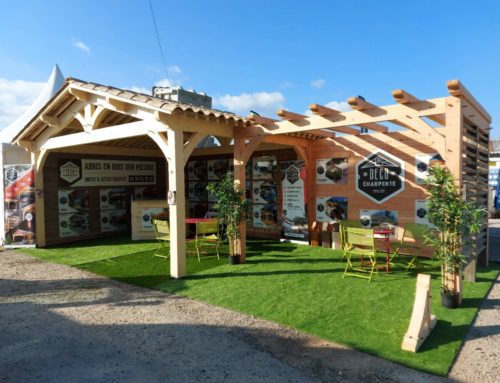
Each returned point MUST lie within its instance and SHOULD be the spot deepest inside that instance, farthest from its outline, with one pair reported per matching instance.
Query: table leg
(388, 252)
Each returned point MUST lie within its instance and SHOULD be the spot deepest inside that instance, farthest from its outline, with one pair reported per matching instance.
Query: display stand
(141, 212)
(422, 321)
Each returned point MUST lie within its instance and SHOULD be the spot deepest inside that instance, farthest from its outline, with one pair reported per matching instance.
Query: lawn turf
(298, 286)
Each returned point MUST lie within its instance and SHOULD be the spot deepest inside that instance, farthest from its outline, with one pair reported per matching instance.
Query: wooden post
(177, 211)
(38, 160)
(240, 180)
(422, 322)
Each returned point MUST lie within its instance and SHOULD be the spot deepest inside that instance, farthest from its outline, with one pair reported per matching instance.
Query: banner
(19, 202)
(98, 172)
(294, 215)
(332, 171)
(331, 209)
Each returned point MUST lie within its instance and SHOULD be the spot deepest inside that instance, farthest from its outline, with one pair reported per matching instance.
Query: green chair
(360, 250)
(207, 234)
(411, 243)
(162, 234)
(343, 224)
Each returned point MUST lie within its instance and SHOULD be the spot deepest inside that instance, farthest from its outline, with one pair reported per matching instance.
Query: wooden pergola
(90, 118)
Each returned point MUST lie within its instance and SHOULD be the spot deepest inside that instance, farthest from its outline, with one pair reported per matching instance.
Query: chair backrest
(357, 237)
(207, 227)
(345, 223)
(415, 232)
(211, 214)
(162, 228)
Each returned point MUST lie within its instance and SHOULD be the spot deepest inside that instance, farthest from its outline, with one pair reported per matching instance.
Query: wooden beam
(289, 116)
(457, 89)
(50, 120)
(322, 133)
(375, 127)
(346, 130)
(132, 129)
(403, 97)
(190, 145)
(355, 117)
(358, 103)
(323, 111)
(259, 120)
(79, 94)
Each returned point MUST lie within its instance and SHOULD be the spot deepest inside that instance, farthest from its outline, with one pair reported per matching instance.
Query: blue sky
(257, 55)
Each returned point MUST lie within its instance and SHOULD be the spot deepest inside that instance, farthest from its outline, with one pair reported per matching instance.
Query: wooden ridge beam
(323, 111)
(290, 116)
(346, 130)
(359, 103)
(322, 133)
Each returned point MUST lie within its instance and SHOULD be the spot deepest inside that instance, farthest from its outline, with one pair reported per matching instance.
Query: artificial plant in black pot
(455, 220)
(231, 207)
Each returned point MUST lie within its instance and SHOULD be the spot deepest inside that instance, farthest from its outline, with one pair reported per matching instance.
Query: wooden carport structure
(90, 118)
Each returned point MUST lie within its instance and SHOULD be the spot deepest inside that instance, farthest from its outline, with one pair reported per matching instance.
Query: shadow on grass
(293, 260)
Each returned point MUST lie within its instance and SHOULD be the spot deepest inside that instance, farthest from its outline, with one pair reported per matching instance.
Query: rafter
(403, 97)
(259, 120)
(457, 89)
(375, 127)
(290, 116)
(323, 111)
(117, 104)
(359, 103)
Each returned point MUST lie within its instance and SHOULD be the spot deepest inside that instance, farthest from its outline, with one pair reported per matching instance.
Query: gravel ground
(479, 359)
(61, 324)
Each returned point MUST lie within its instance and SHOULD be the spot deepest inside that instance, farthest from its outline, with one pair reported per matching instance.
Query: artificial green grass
(301, 287)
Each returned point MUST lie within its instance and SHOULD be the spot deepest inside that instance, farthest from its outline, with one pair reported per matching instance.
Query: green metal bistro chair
(162, 234)
(207, 234)
(360, 249)
(411, 244)
(343, 224)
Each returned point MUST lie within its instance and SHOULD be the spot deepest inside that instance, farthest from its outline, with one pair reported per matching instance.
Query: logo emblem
(69, 172)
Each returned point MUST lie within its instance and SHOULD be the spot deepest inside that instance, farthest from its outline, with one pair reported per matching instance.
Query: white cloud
(286, 85)
(318, 83)
(265, 103)
(82, 46)
(16, 96)
(140, 89)
(167, 82)
(174, 69)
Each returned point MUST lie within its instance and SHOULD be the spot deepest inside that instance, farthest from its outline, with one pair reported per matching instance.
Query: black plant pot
(234, 259)
(449, 300)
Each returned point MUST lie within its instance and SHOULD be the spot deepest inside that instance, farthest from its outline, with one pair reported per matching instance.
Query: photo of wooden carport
(93, 119)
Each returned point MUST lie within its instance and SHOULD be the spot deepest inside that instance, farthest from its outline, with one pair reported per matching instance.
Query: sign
(113, 198)
(294, 215)
(217, 169)
(197, 170)
(147, 217)
(422, 164)
(264, 167)
(332, 171)
(114, 220)
(380, 176)
(99, 172)
(73, 200)
(19, 213)
(264, 216)
(331, 209)
(73, 224)
(264, 191)
(387, 219)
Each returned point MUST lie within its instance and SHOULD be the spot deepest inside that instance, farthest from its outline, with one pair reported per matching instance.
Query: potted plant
(455, 220)
(231, 207)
